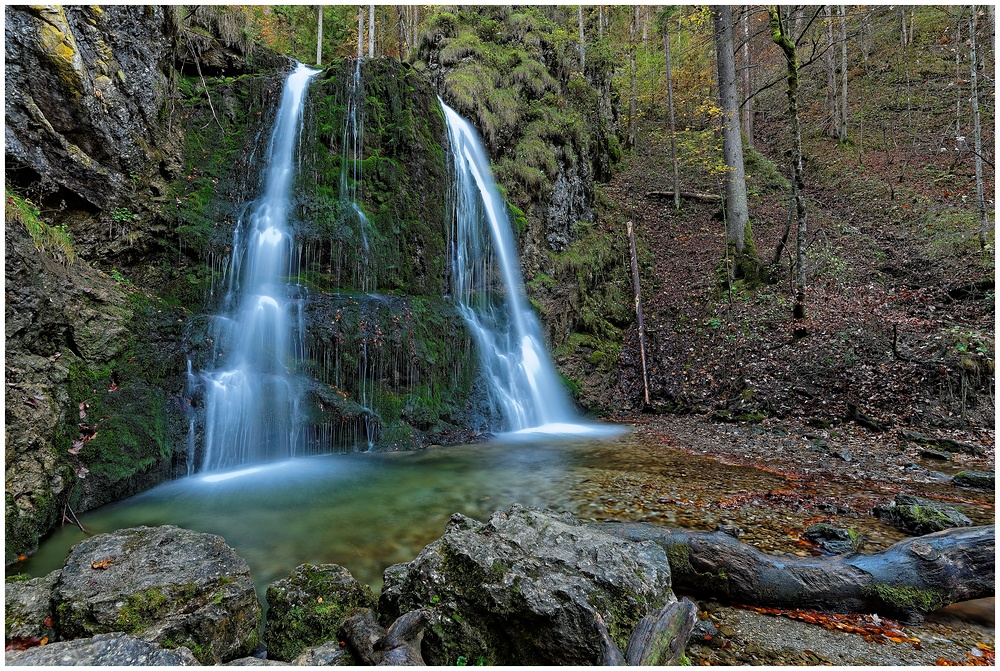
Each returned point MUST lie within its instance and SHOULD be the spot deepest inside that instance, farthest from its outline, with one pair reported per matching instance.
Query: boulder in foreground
(527, 587)
(102, 650)
(164, 584)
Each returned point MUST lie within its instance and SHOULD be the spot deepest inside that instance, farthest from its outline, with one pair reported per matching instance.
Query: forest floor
(900, 346)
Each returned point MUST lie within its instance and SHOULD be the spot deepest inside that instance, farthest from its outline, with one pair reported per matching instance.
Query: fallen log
(688, 195)
(913, 577)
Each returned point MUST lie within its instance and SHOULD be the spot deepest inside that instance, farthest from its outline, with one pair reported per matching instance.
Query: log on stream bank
(913, 577)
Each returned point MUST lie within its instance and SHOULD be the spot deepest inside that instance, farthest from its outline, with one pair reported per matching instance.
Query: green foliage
(54, 240)
(123, 215)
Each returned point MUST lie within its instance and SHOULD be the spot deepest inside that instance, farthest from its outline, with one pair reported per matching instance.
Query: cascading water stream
(350, 170)
(521, 381)
(251, 400)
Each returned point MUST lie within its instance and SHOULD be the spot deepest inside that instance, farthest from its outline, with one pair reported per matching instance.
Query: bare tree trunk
(670, 108)
(902, 27)
(746, 119)
(977, 127)
(914, 576)
(371, 31)
(583, 55)
(400, 33)
(958, 77)
(737, 212)
(638, 312)
(633, 32)
(600, 22)
(843, 72)
(780, 38)
(361, 31)
(319, 37)
(833, 129)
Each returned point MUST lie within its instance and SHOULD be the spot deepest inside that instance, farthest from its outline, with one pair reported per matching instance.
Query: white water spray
(521, 381)
(252, 397)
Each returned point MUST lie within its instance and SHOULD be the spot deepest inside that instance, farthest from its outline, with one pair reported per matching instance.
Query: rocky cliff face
(85, 89)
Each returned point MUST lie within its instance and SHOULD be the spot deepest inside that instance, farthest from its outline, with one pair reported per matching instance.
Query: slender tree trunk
(843, 72)
(371, 31)
(361, 31)
(977, 127)
(416, 27)
(319, 37)
(583, 51)
(670, 109)
(747, 108)
(833, 129)
(958, 77)
(600, 22)
(400, 33)
(780, 38)
(633, 33)
(737, 213)
(638, 312)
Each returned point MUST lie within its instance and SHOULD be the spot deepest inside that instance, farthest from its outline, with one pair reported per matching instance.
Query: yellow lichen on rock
(59, 45)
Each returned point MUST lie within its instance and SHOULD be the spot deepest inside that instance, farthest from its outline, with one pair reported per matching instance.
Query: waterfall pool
(367, 511)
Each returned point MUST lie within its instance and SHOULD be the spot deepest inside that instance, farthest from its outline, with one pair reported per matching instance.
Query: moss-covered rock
(832, 539)
(526, 587)
(386, 370)
(169, 585)
(28, 608)
(307, 608)
(918, 516)
(976, 479)
(400, 181)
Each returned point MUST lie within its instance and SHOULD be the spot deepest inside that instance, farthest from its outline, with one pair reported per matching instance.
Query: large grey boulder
(527, 587)
(307, 608)
(164, 584)
(102, 650)
(28, 607)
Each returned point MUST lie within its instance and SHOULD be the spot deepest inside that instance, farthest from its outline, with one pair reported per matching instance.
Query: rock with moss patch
(834, 540)
(165, 584)
(28, 607)
(527, 587)
(113, 649)
(307, 608)
(328, 654)
(976, 479)
(918, 516)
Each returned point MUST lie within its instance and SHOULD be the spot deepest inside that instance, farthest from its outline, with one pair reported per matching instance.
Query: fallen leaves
(25, 642)
(981, 655)
(870, 627)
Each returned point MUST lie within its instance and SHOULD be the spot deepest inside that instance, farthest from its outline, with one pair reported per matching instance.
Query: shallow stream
(368, 511)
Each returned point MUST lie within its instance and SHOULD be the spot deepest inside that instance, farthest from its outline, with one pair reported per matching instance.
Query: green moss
(140, 610)
(907, 598)
(314, 615)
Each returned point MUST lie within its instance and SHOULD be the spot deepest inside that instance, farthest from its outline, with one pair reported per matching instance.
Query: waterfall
(352, 155)
(252, 395)
(521, 382)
